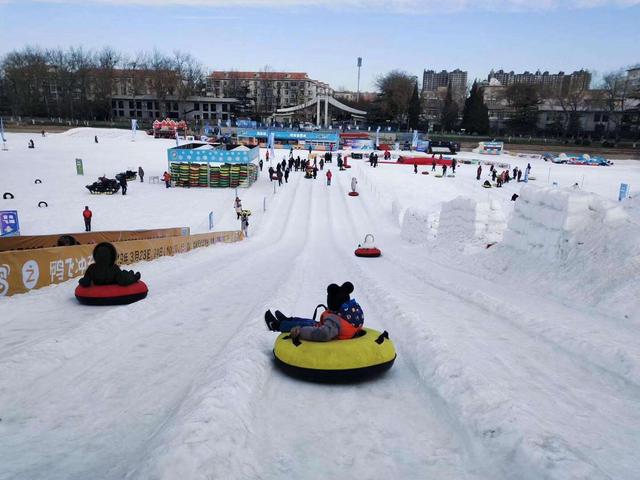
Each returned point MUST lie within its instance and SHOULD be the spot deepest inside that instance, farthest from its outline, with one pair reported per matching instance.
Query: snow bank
(466, 223)
(589, 246)
(419, 226)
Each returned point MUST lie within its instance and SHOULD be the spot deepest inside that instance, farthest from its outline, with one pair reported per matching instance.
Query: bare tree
(572, 99)
(615, 93)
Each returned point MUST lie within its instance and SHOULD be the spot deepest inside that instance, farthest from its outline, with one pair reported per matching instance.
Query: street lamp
(358, 92)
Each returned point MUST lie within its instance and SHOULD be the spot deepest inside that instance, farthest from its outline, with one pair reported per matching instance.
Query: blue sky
(324, 37)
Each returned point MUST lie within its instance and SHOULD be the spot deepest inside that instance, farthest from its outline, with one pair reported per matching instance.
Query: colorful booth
(202, 165)
(167, 128)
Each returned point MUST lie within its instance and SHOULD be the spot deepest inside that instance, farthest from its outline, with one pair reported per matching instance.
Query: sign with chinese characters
(191, 155)
(290, 135)
(24, 270)
(9, 224)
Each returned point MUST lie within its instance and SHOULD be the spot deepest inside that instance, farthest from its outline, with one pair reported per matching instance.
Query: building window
(150, 114)
(205, 116)
(225, 107)
(196, 106)
(121, 113)
(149, 105)
(205, 107)
(138, 105)
(121, 104)
(131, 104)
(596, 117)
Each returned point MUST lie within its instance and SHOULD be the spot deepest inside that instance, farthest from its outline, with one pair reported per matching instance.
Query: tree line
(79, 83)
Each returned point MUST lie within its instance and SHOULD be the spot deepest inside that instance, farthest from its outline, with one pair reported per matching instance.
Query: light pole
(358, 92)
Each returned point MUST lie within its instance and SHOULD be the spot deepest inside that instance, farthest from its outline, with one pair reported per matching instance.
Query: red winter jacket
(87, 213)
(329, 174)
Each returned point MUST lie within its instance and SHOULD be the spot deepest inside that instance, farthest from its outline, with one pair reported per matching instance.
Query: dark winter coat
(104, 270)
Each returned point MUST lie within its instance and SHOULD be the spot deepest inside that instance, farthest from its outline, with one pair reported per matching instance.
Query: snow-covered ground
(517, 361)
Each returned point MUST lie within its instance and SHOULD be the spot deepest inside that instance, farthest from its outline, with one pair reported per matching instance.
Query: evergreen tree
(523, 100)
(449, 115)
(475, 117)
(414, 108)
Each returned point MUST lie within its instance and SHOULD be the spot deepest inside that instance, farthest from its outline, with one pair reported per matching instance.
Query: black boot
(272, 322)
(281, 316)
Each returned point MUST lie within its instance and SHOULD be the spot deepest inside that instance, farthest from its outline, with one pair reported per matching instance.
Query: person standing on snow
(354, 184)
(244, 223)
(87, 214)
(279, 173)
(141, 174)
(433, 164)
(321, 164)
(123, 183)
(329, 175)
(444, 170)
(238, 207)
(415, 168)
(454, 162)
(519, 174)
(261, 164)
(478, 172)
(286, 176)
(271, 174)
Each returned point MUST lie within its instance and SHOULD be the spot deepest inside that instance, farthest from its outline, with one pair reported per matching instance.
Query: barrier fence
(25, 242)
(24, 270)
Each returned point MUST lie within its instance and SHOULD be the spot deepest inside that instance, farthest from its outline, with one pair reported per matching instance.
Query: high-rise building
(553, 82)
(432, 81)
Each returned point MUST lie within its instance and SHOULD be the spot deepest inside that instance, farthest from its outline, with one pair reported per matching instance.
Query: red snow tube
(368, 252)
(111, 294)
(353, 194)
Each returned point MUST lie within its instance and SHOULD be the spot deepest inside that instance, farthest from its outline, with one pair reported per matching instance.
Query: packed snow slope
(496, 378)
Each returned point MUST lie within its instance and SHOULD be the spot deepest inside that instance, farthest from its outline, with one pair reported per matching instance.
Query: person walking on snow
(238, 207)
(271, 174)
(315, 172)
(141, 174)
(519, 174)
(478, 172)
(87, 214)
(286, 176)
(329, 175)
(433, 164)
(261, 164)
(454, 162)
(244, 223)
(279, 177)
(415, 168)
(444, 170)
(321, 164)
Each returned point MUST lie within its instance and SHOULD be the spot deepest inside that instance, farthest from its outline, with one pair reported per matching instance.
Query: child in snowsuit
(342, 320)
(244, 223)
(329, 175)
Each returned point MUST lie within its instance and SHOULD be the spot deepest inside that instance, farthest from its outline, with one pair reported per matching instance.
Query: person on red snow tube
(368, 248)
(104, 283)
(342, 319)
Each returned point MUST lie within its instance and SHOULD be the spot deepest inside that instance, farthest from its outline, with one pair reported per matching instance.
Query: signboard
(624, 191)
(423, 146)
(9, 225)
(190, 155)
(290, 135)
(79, 167)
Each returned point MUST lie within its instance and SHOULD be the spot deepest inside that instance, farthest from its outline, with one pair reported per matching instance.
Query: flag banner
(2, 130)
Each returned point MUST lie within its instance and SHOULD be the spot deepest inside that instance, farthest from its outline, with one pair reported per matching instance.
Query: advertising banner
(9, 224)
(24, 270)
(26, 242)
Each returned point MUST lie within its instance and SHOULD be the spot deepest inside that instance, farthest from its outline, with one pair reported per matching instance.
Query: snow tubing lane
(99, 295)
(368, 252)
(42, 204)
(353, 194)
(8, 195)
(37, 181)
(336, 361)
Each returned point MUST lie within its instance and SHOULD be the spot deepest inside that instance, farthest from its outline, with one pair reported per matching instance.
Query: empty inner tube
(37, 181)
(43, 204)
(8, 195)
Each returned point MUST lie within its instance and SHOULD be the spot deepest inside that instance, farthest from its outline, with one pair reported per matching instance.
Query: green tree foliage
(449, 114)
(523, 100)
(475, 116)
(414, 108)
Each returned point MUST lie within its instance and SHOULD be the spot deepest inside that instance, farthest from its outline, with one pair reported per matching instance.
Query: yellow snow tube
(370, 353)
